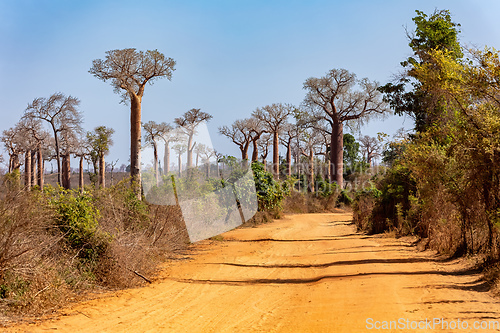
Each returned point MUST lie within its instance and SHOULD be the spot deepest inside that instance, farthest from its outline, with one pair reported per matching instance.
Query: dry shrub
(301, 202)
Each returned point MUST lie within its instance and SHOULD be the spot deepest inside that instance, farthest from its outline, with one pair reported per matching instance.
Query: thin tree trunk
(58, 155)
(40, 167)
(166, 159)
(289, 159)
(27, 169)
(276, 162)
(33, 167)
(155, 155)
(311, 170)
(190, 152)
(102, 171)
(135, 143)
(80, 175)
(337, 154)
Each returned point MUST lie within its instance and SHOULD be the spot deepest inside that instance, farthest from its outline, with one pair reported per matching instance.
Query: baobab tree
(129, 71)
(153, 133)
(263, 144)
(274, 118)
(81, 151)
(61, 113)
(333, 98)
(188, 123)
(12, 139)
(168, 137)
(33, 128)
(311, 140)
(240, 133)
(371, 148)
(289, 134)
(68, 144)
(256, 131)
(100, 141)
(180, 149)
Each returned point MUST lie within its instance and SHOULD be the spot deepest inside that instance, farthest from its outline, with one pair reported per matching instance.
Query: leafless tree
(263, 144)
(371, 148)
(256, 130)
(129, 71)
(61, 113)
(188, 123)
(311, 140)
(168, 137)
(240, 133)
(180, 149)
(274, 117)
(83, 151)
(34, 130)
(289, 135)
(333, 98)
(12, 139)
(69, 142)
(153, 133)
(206, 154)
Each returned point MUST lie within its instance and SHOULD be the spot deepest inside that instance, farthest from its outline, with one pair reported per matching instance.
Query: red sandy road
(305, 273)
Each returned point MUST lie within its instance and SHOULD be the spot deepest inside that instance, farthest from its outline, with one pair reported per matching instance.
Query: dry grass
(40, 271)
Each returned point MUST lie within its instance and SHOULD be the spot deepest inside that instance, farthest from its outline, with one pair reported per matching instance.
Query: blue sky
(232, 56)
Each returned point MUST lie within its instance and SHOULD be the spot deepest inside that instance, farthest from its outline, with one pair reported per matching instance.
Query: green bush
(270, 193)
(76, 217)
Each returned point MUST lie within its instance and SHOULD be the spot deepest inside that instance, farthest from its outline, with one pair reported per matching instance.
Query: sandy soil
(305, 273)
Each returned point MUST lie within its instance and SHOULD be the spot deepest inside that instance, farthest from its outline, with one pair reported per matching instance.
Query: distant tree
(256, 131)
(168, 137)
(153, 133)
(81, 151)
(333, 98)
(263, 144)
(274, 118)
(311, 141)
(34, 129)
(289, 135)
(61, 113)
(180, 149)
(129, 71)
(188, 123)
(100, 142)
(240, 133)
(371, 148)
(13, 139)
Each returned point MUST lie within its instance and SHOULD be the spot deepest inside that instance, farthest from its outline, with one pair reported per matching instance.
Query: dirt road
(305, 273)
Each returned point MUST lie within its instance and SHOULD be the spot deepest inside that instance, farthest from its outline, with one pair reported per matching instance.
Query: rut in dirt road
(305, 273)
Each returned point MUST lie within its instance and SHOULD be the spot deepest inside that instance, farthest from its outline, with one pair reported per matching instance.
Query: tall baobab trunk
(255, 153)
(289, 160)
(27, 169)
(80, 175)
(276, 158)
(66, 171)
(135, 143)
(190, 148)
(166, 159)
(41, 165)
(180, 165)
(33, 167)
(337, 154)
(244, 157)
(102, 171)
